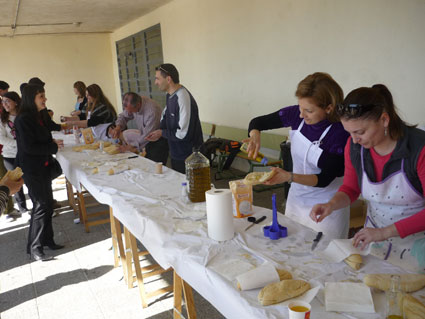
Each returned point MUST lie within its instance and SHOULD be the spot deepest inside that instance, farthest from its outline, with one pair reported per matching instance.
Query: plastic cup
(158, 168)
(299, 310)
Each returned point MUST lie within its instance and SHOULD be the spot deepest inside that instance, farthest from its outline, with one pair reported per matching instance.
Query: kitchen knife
(316, 240)
(259, 220)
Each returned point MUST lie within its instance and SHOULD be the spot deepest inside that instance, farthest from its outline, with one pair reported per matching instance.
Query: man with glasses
(146, 114)
(180, 123)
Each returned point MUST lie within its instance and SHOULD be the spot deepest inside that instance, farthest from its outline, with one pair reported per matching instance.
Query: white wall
(59, 60)
(244, 58)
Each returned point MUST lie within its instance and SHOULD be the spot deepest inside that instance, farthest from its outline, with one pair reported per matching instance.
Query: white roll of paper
(220, 214)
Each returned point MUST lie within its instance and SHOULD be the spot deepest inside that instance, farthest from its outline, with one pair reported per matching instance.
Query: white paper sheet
(348, 297)
(258, 277)
(339, 249)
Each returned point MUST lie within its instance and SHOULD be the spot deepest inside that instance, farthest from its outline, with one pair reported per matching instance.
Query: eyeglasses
(353, 109)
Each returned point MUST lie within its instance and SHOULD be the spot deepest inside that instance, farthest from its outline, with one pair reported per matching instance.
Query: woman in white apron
(317, 143)
(385, 162)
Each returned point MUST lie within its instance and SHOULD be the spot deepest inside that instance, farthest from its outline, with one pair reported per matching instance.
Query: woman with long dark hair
(385, 163)
(81, 105)
(35, 149)
(11, 102)
(99, 109)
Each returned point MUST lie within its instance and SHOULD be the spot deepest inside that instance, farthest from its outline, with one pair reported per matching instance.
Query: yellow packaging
(88, 135)
(242, 198)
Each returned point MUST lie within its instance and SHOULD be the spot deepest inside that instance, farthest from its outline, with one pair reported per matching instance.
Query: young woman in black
(35, 149)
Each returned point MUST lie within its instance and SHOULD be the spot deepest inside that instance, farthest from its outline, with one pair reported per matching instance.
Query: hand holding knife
(316, 240)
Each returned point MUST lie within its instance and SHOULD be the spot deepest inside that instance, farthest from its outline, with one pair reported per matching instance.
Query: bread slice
(354, 261)
(255, 178)
(408, 282)
(282, 290)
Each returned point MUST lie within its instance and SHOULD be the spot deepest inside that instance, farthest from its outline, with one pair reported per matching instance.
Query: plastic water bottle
(198, 175)
(77, 134)
(184, 194)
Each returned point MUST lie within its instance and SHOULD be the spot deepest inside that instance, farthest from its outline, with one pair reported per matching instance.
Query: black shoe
(56, 204)
(55, 246)
(40, 256)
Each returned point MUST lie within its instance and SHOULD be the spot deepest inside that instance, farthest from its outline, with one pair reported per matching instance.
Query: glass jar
(392, 296)
(198, 176)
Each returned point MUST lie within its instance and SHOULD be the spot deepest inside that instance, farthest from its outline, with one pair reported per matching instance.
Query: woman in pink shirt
(385, 162)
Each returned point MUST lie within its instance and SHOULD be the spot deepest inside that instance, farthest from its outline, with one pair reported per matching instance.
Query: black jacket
(35, 144)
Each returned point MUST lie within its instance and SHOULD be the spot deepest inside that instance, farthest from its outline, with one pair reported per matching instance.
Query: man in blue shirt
(180, 123)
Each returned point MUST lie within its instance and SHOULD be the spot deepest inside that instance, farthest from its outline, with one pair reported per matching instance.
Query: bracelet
(291, 179)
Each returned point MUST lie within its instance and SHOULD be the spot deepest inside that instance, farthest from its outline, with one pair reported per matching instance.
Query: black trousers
(41, 229)
(178, 165)
(158, 151)
(9, 163)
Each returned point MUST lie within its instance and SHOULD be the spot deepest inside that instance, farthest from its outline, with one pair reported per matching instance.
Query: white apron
(301, 198)
(389, 201)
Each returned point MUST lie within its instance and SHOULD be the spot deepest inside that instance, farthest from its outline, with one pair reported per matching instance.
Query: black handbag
(55, 169)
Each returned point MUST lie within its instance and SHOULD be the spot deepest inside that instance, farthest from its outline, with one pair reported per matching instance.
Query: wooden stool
(132, 253)
(84, 216)
(179, 285)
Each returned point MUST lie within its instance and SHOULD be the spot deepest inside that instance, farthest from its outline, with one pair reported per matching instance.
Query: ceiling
(70, 16)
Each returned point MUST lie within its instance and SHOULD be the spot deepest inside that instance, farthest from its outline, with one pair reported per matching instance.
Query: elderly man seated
(146, 114)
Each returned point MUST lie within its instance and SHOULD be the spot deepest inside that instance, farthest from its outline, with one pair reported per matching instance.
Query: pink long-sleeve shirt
(405, 227)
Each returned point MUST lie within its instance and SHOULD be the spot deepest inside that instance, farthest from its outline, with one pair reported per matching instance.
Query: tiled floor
(81, 281)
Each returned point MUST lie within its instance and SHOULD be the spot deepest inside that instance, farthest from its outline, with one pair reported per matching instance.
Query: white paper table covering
(146, 204)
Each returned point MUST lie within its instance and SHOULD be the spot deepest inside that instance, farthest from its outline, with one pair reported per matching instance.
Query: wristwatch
(291, 179)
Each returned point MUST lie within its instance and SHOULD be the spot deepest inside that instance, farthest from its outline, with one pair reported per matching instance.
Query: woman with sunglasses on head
(11, 102)
(35, 149)
(385, 163)
(317, 150)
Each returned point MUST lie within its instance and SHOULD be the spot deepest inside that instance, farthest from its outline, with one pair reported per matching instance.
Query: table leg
(179, 285)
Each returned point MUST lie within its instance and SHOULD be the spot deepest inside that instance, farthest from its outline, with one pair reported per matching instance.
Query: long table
(175, 234)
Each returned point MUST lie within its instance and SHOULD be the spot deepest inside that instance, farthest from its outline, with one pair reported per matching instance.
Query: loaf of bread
(354, 261)
(80, 148)
(15, 174)
(283, 274)
(255, 178)
(408, 282)
(282, 290)
(413, 308)
(112, 149)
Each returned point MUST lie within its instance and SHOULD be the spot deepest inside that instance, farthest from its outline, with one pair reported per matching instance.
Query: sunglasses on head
(160, 68)
(353, 109)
